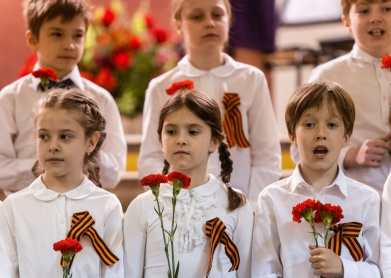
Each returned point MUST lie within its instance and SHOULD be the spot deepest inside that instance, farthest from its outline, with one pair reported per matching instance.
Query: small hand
(325, 262)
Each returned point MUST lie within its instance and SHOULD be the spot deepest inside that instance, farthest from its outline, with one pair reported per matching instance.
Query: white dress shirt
(254, 167)
(17, 148)
(369, 85)
(385, 227)
(33, 219)
(280, 245)
(143, 241)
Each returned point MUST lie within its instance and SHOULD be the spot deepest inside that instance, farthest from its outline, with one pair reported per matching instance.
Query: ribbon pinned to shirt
(233, 121)
(347, 234)
(215, 229)
(82, 225)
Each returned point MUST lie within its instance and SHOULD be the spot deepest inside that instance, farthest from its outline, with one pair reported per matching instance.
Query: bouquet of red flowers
(179, 181)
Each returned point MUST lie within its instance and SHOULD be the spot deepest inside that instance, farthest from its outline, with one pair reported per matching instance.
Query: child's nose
(69, 44)
(376, 16)
(209, 22)
(181, 140)
(53, 146)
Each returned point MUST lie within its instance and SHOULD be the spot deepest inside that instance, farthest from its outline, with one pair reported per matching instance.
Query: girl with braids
(190, 130)
(69, 132)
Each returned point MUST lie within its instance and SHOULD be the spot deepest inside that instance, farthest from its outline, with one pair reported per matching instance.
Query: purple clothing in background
(254, 24)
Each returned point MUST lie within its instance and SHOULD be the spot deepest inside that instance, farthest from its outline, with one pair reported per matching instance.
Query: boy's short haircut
(36, 12)
(312, 95)
(347, 4)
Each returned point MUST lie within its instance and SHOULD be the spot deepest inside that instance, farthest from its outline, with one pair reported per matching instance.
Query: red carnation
(306, 210)
(329, 214)
(121, 59)
(148, 21)
(108, 18)
(67, 245)
(135, 43)
(153, 179)
(45, 73)
(181, 85)
(160, 35)
(179, 177)
(386, 62)
(106, 79)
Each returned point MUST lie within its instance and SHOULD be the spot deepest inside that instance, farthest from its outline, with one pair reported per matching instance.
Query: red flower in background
(181, 85)
(121, 59)
(179, 177)
(386, 62)
(148, 21)
(135, 43)
(108, 17)
(160, 35)
(27, 68)
(105, 79)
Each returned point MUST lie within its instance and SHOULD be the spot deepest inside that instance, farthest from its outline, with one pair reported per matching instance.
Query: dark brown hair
(89, 117)
(312, 95)
(36, 12)
(208, 111)
(347, 4)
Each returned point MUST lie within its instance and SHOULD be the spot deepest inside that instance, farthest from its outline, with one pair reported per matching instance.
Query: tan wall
(13, 49)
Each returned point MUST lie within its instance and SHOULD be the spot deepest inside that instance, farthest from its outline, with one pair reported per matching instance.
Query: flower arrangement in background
(123, 53)
(179, 181)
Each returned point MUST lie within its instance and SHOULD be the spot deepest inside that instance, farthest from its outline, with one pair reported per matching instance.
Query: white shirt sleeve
(151, 159)
(265, 144)
(114, 149)
(8, 252)
(113, 238)
(15, 172)
(265, 260)
(135, 237)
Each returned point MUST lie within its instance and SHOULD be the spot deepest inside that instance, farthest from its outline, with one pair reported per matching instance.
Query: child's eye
(309, 125)
(65, 136)
(193, 132)
(196, 17)
(332, 125)
(43, 137)
(363, 11)
(386, 8)
(217, 15)
(56, 34)
(80, 35)
(171, 132)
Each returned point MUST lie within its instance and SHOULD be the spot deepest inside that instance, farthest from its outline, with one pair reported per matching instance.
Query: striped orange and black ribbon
(82, 225)
(215, 229)
(233, 121)
(347, 234)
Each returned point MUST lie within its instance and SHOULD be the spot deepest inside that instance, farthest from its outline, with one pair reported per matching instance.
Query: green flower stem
(160, 214)
(172, 235)
(315, 235)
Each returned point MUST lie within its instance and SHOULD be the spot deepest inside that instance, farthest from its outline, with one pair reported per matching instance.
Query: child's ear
(292, 138)
(346, 22)
(31, 40)
(178, 27)
(214, 145)
(346, 140)
(92, 141)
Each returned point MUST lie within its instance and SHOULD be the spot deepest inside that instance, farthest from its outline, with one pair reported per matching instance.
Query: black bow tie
(65, 84)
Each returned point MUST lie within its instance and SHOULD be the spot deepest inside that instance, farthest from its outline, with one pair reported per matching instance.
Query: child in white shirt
(319, 118)
(366, 158)
(190, 130)
(204, 27)
(56, 32)
(69, 131)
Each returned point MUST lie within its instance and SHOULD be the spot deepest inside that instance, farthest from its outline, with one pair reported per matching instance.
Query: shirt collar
(41, 192)
(204, 190)
(339, 182)
(359, 54)
(222, 71)
(74, 75)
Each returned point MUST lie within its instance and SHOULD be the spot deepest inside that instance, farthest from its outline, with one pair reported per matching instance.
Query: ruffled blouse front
(191, 211)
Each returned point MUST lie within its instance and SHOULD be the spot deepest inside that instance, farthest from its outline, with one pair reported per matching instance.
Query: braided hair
(89, 118)
(208, 111)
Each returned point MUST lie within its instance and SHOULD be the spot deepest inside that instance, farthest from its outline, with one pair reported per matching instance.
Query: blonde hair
(176, 8)
(89, 118)
(347, 4)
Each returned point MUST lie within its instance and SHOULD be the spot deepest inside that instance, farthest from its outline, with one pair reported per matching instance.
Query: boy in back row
(56, 32)
(360, 73)
(319, 118)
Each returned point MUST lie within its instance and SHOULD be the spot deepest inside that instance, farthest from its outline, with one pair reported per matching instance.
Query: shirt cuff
(350, 268)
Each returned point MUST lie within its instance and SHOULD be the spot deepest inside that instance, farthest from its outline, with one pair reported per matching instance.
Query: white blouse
(143, 240)
(33, 219)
